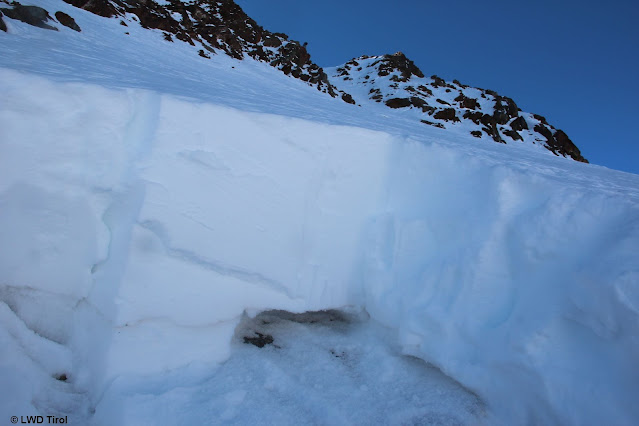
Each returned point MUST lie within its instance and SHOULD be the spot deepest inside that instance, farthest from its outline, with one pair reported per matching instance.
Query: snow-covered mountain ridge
(156, 206)
(214, 26)
(393, 80)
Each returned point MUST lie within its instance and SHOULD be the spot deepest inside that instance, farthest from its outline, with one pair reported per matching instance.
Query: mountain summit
(392, 80)
(395, 81)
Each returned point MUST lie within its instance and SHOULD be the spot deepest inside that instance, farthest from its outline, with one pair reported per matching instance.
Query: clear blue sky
(575, 62)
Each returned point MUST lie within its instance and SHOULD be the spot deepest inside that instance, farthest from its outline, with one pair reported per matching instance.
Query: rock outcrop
(32, 15)
(67, 21)
(3, 26)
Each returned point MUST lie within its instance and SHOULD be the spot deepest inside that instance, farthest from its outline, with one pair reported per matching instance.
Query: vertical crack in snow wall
(119, 217)
(188, 214)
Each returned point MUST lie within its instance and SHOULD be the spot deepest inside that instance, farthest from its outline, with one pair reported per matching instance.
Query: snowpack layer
(144, 210)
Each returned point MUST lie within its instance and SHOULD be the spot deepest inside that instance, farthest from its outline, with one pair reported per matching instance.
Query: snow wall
(137, 228)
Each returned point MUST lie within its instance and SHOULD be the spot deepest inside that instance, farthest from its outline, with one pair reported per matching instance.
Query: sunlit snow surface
(151, 199)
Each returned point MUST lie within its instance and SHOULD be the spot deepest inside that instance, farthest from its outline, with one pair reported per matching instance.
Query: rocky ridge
(212, 25)
(391, 80)
(395, 81)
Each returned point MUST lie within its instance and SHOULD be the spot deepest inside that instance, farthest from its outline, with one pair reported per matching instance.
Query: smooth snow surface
(151, 199)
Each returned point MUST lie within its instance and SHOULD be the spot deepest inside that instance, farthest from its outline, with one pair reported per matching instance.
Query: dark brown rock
(488, 120)
(155, 16)
(561, 144)
(98, 7)
(512, 108)
(417, 102)
(430, 123)
(513, 134)
(260, 340)
(400, 63)
(566, 147)
(474, 116)
(270, 41)
(348, 98)
(505, 109)
(32, 15)
(541, 118)
(425, 89)
(466, 102)
(376, 95)
(447, 114)
(437, 81)
(545, 132)
(398, 102)
(3, 26)
(476, 133)
(67, 21)
(519, 123)
(493, 133)
(500, 117)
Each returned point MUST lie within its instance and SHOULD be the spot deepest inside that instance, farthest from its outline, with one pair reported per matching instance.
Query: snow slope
(146, 208)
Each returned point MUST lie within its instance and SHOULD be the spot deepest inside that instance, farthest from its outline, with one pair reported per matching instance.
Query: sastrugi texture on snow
(153, 203)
